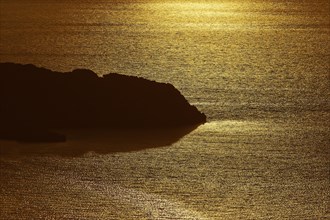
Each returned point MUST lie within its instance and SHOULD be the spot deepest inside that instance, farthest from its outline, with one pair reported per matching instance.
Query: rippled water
(258, 69)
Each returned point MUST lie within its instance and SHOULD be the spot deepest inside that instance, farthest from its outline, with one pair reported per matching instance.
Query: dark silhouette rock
(35, 99)
(31, 135)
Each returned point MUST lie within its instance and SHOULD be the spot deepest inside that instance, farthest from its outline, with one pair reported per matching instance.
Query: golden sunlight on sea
(192, 14)
(193, 6)
(204, 16)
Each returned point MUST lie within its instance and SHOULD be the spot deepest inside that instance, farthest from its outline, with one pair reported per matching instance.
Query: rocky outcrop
(34, 98)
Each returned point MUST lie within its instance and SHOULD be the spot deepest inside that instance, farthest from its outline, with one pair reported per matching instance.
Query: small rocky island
(37, 101)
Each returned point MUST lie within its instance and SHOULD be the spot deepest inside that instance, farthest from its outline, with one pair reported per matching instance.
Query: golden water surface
(259, 70)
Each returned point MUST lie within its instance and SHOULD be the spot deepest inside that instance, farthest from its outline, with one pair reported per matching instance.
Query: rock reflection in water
(101, 141)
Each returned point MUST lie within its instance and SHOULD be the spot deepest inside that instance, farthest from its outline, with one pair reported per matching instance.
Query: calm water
(258, 69)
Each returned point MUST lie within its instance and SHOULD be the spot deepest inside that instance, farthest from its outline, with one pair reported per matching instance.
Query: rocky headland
(35, 101)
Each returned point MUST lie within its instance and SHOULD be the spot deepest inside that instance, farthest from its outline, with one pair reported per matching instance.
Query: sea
(258, 69)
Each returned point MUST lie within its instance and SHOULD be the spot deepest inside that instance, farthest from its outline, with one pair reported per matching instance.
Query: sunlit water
(258, 69)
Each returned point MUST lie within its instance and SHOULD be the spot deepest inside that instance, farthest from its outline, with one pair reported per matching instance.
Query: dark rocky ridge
(36, 99)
